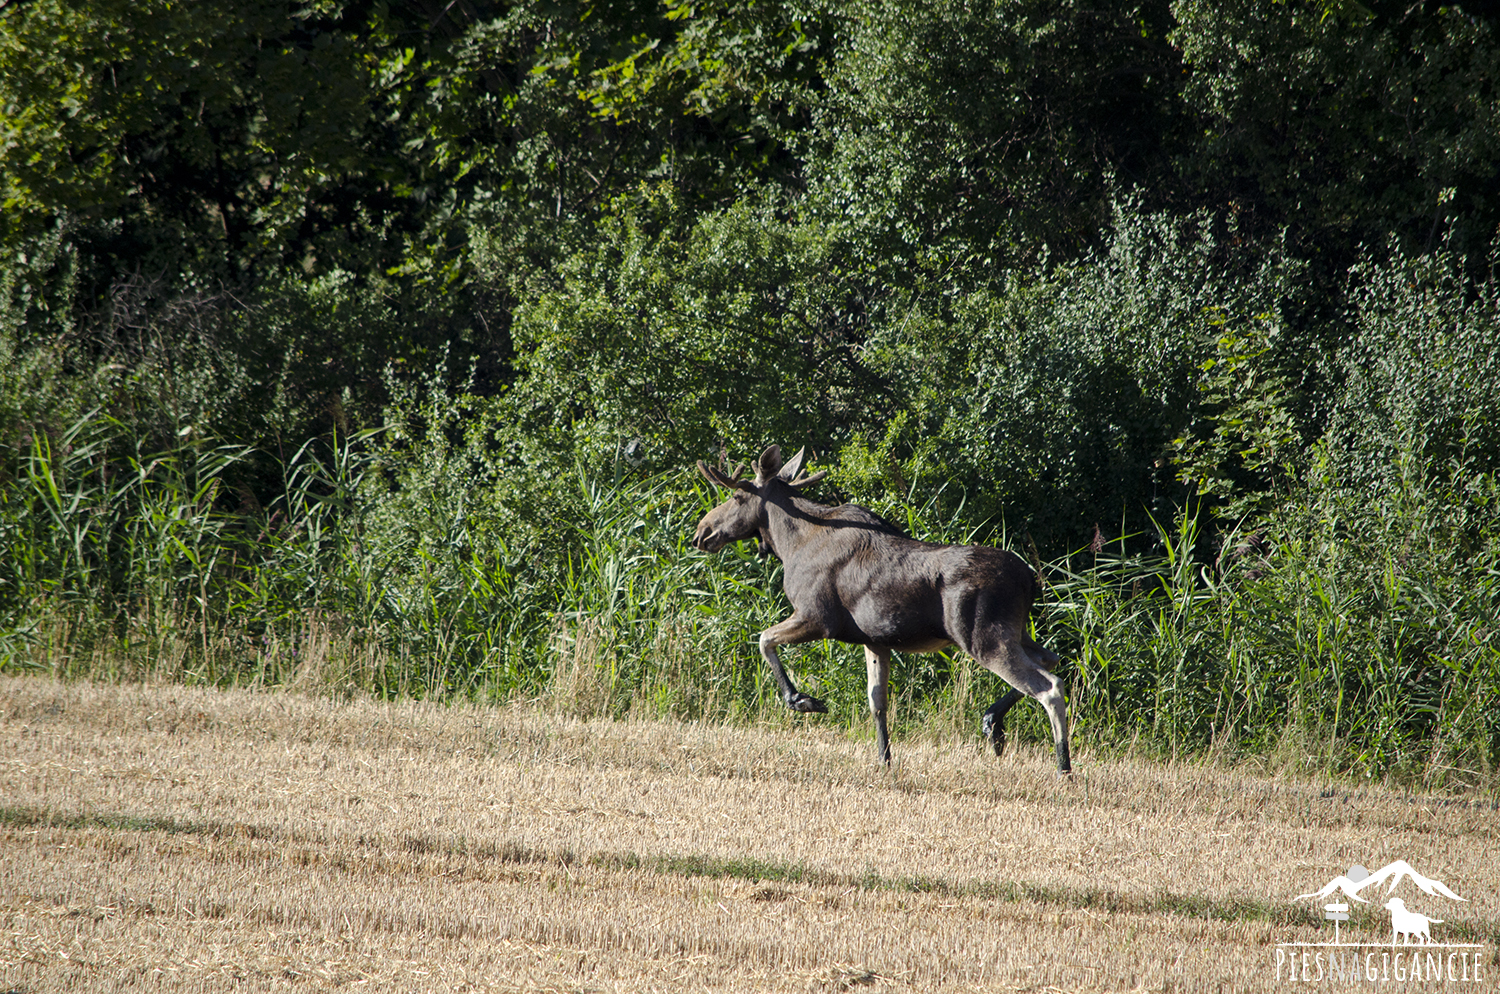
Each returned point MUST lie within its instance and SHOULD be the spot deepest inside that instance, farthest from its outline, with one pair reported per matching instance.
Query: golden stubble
(165, 838)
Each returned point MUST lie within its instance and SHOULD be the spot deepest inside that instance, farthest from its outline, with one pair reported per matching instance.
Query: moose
(853, 577)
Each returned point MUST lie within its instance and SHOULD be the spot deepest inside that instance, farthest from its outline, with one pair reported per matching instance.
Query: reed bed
(1351, 642)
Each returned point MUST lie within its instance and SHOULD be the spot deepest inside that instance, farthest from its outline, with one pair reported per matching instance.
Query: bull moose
(853, 577)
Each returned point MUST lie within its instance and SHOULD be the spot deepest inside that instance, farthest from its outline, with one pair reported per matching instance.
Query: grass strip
(24, 817)
(753, 870)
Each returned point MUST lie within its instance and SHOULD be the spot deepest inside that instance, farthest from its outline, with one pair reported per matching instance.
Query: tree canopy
(1049, 271)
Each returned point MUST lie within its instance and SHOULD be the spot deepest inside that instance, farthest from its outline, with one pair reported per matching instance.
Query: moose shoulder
(852, 577)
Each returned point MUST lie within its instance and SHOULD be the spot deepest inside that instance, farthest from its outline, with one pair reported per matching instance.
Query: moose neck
(789, 519)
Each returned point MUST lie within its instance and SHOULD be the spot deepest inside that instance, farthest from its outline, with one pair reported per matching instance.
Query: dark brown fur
(852, 577)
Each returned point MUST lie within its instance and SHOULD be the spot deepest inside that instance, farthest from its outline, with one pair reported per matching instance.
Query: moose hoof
(806, 704)
(994, 732)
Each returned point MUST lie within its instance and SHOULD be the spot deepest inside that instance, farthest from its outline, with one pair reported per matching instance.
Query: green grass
(1350, 641)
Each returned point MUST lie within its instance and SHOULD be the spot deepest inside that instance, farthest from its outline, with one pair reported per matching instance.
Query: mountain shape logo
(1358, 879)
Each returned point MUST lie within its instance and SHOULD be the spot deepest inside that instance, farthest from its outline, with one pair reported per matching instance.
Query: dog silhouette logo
(1409, 923)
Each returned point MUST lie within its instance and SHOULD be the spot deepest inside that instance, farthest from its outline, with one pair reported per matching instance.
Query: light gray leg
(1017, 667)
(878, 676)
(790, 632)
(1057, 712)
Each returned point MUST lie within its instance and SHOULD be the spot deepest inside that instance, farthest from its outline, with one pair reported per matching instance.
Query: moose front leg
(790, 632)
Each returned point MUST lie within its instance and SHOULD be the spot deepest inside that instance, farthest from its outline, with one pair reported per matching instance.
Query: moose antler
(809, 479)
(729, 481)
(767, 468)
(790, 472)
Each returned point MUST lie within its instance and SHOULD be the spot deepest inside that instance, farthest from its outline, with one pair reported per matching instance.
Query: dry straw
(163, 838)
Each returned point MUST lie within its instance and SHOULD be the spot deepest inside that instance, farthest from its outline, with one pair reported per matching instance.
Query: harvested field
(165, 838)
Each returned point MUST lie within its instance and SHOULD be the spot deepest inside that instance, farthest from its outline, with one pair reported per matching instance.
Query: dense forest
(368, 347)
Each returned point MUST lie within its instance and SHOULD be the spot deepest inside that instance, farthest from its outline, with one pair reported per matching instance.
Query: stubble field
(173, 839)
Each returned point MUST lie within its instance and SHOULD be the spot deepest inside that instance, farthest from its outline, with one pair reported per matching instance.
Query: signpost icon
(1336, 913)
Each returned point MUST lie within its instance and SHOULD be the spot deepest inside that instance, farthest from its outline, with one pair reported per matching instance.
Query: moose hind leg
(788, 632)
(993, 722)
(1056, 706)
(1018, 668)
(878, 673)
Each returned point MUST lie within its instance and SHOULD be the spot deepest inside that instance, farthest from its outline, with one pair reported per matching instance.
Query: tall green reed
(1316, 650)
(1347, 636)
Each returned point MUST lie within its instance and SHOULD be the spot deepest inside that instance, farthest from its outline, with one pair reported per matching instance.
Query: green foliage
(227, 126)
(1326, 647)
(984, 134)
(1420, 377)
(731, 83)
(97, 523)
(680, 337)
(367, 347)
(1349, 127)
(1247, 449)
(1052, 403)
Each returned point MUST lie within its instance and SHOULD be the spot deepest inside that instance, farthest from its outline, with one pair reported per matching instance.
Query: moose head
(744, 514)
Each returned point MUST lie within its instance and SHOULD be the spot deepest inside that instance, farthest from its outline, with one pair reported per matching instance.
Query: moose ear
(768, 465)
(793, 465)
